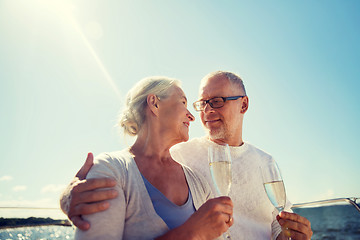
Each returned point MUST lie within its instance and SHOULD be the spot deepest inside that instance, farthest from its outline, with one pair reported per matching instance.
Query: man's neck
(232, 143)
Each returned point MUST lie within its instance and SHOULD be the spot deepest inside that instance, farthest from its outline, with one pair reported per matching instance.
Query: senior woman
(158, 197)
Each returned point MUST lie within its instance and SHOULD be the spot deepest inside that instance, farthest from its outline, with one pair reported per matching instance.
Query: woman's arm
(108, 224)
(86, 196)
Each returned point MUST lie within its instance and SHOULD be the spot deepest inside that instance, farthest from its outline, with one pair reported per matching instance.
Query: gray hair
(232, 77)
(133, 115)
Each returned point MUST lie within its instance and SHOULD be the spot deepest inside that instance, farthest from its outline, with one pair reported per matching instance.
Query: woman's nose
(190, 116)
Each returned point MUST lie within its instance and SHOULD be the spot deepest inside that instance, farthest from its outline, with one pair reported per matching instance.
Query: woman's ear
(244, 105)
(153, 103)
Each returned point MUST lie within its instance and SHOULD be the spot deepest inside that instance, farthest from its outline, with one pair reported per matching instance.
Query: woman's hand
(211, 220)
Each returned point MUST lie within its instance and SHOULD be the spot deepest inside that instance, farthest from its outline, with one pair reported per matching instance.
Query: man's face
(225, 123)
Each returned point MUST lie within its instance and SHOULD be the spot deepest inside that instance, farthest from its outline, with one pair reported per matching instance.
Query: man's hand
(294, 226)
(84, 196)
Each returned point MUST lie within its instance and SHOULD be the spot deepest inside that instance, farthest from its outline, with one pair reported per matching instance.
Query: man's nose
(208, 108)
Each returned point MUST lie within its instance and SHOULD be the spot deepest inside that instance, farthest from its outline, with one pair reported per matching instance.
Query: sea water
(38, 233)
(341, 222)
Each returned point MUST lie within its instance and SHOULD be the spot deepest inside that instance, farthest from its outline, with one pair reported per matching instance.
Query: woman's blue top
(172, 214)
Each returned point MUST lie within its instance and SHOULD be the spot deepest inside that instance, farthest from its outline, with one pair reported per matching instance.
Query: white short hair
(232, 77)
(133, 115)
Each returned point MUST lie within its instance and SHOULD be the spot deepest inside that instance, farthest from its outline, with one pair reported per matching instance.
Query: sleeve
(108, 224)
(65, 198)
(275, 226)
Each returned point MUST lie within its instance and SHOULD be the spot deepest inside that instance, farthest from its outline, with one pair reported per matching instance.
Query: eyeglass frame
(208, 101)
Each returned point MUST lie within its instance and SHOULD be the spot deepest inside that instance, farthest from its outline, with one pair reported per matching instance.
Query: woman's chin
(186, 139)
(183, 138)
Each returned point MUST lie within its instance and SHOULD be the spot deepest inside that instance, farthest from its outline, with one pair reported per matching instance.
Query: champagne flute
(274, 185)
(220, 168)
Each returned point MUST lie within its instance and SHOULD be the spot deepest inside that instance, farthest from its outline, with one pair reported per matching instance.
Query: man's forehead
(215, 86)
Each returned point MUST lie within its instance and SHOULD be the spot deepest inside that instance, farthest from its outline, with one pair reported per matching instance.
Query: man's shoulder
(190, 153)
(192, 143)
(251, 149)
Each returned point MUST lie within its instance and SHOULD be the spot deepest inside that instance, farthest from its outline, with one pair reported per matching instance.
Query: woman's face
(174, 116)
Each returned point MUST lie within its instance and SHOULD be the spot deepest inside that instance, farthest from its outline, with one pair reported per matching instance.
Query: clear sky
(66, 65)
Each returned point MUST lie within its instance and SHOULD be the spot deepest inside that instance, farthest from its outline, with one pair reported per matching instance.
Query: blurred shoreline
(31, 222)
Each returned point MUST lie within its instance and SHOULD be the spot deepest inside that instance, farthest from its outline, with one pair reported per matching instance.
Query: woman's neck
(151, 146)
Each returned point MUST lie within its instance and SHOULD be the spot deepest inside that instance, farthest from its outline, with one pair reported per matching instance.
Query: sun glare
(65, 11)
(61, 7)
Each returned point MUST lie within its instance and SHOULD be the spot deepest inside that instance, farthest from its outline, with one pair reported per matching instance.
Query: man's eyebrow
(208, 98)
(184, 98)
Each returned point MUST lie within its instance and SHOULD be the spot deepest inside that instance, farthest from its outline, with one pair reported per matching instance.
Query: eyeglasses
(216, 102)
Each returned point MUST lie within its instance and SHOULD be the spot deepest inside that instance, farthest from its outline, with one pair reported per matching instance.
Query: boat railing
(351, 200)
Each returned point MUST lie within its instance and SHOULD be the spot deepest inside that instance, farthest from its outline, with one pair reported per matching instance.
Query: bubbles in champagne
(221, 174)
(276, 193)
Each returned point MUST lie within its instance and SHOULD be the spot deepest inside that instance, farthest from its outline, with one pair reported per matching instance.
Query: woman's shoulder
(122, 156)
(111, 164)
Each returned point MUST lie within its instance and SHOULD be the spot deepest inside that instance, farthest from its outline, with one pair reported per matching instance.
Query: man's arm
(80, 197)
(294, 226)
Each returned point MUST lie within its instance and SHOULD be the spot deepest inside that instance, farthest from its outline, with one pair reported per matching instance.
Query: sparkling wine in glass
(220, 168)
(274, 185)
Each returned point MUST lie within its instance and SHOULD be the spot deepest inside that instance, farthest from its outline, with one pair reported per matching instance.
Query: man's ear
(153, 103)
(244, 104)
